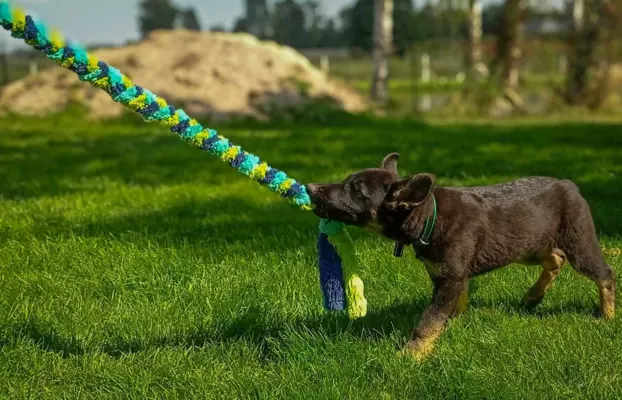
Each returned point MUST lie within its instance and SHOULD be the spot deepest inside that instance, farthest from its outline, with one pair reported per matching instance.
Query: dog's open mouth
(335, 215)
(321, 211)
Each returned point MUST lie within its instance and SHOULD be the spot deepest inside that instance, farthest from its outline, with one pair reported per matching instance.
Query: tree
(474, 54)
(580, 52)
(4, 67)
(241, 25)
(425, 22)
(383, 42)
(330, 36)
(452, 15)
(289, 24)
(295, 23)
(404, 30)
(314, 22)
(509, 49)
(217, 28)
(492, 19)
(358, 22)
(258, 18)
(156, 14)
(190, 20)
(592, 23)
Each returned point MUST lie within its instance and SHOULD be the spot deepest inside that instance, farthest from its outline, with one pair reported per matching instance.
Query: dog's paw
(530, 301)
(607, 312)
(416, 350)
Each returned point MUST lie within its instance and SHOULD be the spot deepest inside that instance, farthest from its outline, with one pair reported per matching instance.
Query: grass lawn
(135, 266)
(403, 85)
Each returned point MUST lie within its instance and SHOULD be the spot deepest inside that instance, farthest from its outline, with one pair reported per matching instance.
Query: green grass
(447, 58)
(446, 85)
(134, 266)
(406, 85)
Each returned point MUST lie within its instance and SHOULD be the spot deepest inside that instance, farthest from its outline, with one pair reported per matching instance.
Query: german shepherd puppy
(462, 232)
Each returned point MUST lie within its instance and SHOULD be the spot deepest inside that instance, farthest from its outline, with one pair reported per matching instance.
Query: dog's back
(518, 190)
(516, 220)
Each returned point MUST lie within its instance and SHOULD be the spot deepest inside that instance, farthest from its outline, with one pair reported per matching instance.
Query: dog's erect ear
(390, 162)
(410, 192)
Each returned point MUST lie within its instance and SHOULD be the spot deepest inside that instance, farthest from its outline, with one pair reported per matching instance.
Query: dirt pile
(218, 75)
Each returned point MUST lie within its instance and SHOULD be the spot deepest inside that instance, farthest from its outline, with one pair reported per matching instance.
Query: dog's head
(403, 207)
(355, 201)
(408, 194)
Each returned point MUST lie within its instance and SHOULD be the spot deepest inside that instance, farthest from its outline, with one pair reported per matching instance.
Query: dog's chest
(432, 267)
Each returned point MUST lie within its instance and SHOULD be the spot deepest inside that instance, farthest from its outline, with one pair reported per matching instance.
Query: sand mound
(219, 75)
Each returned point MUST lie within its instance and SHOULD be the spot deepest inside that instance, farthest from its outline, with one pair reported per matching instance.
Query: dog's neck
(424, 238)
(421, 222)
(408, 227)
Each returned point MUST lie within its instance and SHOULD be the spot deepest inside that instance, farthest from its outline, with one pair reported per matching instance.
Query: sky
(86, 21)
(115, 21)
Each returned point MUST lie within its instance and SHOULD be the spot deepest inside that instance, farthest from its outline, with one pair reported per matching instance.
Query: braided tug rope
(340, 284)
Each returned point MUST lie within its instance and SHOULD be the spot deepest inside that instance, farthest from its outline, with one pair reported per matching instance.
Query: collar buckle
(398, 250)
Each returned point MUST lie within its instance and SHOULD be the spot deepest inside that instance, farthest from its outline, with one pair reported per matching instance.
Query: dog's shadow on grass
(249, 327)
(397, 319)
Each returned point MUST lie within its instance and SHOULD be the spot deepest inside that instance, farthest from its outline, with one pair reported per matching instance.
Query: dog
(462, 232)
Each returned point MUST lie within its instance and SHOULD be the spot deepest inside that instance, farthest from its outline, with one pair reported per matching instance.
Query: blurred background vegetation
(445, 57)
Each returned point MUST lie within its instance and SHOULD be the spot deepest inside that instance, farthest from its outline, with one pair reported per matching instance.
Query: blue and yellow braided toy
(155, 109)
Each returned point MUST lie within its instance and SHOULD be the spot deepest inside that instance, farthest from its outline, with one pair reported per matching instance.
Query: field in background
(542, 71)
(134, 266)
(543, 75)
(541, 57)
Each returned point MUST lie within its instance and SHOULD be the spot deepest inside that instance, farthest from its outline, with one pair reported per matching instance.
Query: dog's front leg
(447, 291)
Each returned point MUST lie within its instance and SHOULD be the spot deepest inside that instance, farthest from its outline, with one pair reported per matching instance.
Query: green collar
(425, 236)
(429, 227)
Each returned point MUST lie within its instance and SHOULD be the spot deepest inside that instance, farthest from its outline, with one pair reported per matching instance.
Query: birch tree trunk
(383, 43)
(513, 46)
(475, 66)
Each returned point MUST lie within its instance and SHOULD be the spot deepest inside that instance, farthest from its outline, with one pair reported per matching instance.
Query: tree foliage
(302, 23)
(190, 20)
(156, 14)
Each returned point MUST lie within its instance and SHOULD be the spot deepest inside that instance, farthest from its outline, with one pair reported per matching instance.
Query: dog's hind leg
(593, 265)
(589, 261)
(607, 290)
(552, 263)
(581, 246)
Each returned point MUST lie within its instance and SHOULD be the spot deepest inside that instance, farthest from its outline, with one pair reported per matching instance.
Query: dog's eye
(358, 189)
